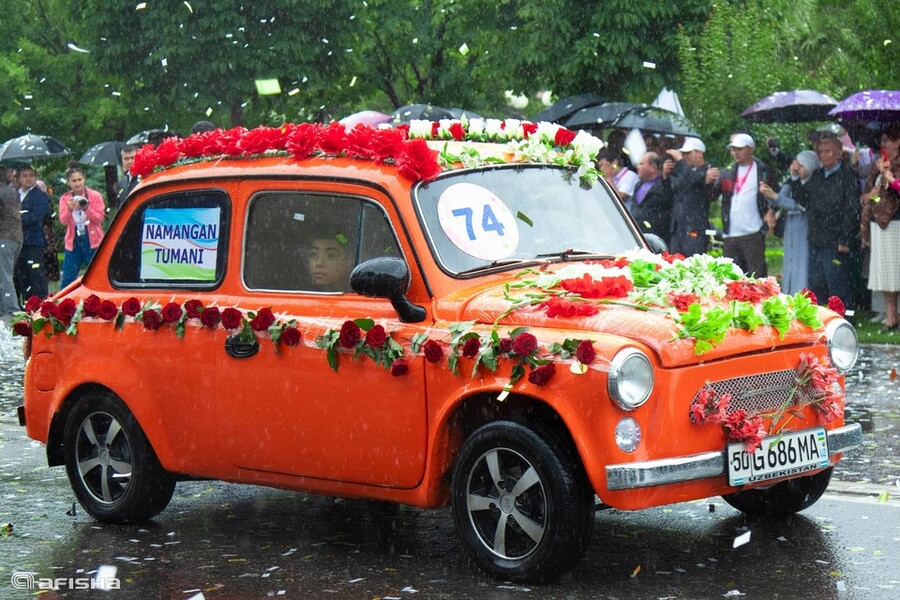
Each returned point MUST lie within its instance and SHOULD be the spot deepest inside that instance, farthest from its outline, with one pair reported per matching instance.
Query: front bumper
(700, 466)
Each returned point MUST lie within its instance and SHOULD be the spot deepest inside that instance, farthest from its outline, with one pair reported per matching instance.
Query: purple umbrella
(871, 105)
(366, 117)
(798, 106)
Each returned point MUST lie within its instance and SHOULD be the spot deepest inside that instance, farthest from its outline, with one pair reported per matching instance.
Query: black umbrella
(600, 115)
(561, 110)
(423, 112)
(798, 106)
(652, 119)
(104, 153)
(459, 112)
(31, 146)
(150, 136)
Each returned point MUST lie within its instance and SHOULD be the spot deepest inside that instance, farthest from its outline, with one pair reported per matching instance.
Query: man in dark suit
(652, 198)
(128, 181)
(30, 278)
(693, 194)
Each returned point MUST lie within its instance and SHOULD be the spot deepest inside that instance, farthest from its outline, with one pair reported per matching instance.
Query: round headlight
(843, 347)
(630, 378)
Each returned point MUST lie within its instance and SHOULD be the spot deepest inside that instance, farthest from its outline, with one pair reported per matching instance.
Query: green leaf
(364, 324)
(452, 360)
(777, 315)
(518, 330)
(37, 324)
(522, 217)
(120, 320)
(179, 329)
(332, 358)
(418, 340)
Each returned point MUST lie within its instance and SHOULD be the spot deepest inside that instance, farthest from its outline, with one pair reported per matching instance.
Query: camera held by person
(82, 202)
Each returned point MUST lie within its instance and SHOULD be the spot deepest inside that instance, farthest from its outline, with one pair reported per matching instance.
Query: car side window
(298, 241)
(174, 241)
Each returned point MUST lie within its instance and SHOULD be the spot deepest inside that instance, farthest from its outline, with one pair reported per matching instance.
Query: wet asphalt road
(233, 541)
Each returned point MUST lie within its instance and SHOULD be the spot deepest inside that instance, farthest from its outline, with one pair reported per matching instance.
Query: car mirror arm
(408, 312)
(387, 277)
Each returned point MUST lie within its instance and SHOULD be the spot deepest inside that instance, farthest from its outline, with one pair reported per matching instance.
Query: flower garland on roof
(404, 146)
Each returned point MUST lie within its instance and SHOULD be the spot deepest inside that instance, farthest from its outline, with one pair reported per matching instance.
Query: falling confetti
(649, 65)
(893, 374)
(741, 540)
(636, 571)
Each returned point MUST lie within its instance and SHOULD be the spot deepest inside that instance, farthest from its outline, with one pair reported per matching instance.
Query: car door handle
(239, 349)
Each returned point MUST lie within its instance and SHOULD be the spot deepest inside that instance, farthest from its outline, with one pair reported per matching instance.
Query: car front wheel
(782, 499)
(111, 466)
(523, 508)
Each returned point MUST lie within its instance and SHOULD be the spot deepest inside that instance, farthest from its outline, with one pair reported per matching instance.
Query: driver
(330, 262)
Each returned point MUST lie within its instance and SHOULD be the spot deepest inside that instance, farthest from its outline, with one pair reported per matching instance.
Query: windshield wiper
(567, 254)
(497, 263)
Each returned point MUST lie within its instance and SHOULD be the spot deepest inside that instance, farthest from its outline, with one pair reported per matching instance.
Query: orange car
(366, 313)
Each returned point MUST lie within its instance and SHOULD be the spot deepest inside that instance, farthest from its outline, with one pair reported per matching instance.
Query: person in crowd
(693, 193)
(202, 127)
(29, 276)
(795, 270)
(10, 245)
(81, 210)
(880, 223)
(330, 260)
(831, 198)
(128, 181)
(617, 174)
(653, 198)
(51, 247)
(744, 208)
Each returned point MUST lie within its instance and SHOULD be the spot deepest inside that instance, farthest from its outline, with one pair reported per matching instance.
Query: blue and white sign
(478, 222)
(179, 244)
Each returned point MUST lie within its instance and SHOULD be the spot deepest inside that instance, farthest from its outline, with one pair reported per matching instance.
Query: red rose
(171, 312)
(835, 304)
(417, 161)
(506, 345)
(433, 351)
(399, 368)
(524, 344)
(91, 305)
(263, 319)
(528, 128)
(193, 308)
(152, 319)
(457, 131)
(541, 375)
(131, 307)
(350, 334)
(376, 336)
(564, 137)
(232, 318)
(48, 309)
(585, 353)
(22, 328)
(210, 316)
(32, 304)
(107, 310)
(471, 347)
(290, 336)
(66, 310)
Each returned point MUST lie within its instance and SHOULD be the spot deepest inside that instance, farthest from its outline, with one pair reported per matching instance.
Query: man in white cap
(693, 192)
(744, 207)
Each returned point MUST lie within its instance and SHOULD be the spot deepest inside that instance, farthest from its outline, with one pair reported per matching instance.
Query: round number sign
(478, 222)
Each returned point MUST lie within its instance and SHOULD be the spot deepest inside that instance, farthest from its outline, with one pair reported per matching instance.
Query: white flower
(587, 144)
(494, 128)
(547, 132)
(444, 127)
(513, 129)
(420, 129)
(476, 128)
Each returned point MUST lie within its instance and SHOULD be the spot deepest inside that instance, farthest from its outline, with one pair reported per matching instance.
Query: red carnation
(22, 328)
(376, 336)
(144, 161)
(334, 138)
(107, 310)
(386, 144)
(835, 304)
(91, 305)
(193, 308)
(171, 312)
(152, 319)
(433, 351)
(48, 309)
(66, 310)
(564, 137)
(585, 352)
(32, 304)
(263, 319)
(682, 301)
(290, 336)
(417, 161)
(809, 294)
(359, 142)
(399, 368)
(229, 141)
(232, 318)
(262, 138)
(350, 334)
(210, 317)
(303, 140)
(471, 347)
(131, 307)
(541, 375)
(167, 152)
(524, 344)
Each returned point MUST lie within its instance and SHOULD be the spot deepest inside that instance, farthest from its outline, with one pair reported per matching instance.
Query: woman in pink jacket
(81, 210)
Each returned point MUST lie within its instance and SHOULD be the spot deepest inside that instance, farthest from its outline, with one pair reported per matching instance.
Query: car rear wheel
(782, 499)
(523, 507)
(111, 466)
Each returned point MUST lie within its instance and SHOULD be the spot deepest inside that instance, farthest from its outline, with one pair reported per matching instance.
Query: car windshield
(498, 216)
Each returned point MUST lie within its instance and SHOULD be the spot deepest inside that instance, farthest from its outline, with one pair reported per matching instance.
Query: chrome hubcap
(103, 457)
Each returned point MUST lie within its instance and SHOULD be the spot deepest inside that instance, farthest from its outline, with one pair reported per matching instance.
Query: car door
(289, 411)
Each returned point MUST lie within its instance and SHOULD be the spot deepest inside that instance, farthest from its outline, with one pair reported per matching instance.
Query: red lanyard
(740, 182)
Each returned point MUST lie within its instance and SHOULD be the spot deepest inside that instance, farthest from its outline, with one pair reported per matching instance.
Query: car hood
(656, 329)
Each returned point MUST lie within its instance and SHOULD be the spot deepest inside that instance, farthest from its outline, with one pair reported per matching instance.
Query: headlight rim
(830, 330)
(615, 368)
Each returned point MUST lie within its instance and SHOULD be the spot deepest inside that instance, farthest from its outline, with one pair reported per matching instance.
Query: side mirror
(387, 277)
(657, 244)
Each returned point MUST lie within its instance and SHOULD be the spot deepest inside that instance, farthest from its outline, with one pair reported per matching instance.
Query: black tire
(523, 507)
(782, 499)
(111, 466)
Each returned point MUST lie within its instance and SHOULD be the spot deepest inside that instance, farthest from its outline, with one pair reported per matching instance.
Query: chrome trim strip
(700, 466)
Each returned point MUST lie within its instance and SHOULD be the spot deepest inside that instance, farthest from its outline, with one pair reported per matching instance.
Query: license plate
(778, 456)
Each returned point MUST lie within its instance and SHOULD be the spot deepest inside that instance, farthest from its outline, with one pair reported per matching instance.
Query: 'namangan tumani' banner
(180, 244)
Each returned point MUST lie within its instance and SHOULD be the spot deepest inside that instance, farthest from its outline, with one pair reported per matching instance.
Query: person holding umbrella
(81, 210)
(30, 278)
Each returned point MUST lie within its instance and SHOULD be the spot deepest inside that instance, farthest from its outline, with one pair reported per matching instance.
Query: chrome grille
(761, 393)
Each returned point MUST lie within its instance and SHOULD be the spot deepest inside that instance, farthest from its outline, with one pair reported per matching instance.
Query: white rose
(420, 129)
(547, 131)
(513, 128)
(587, 143)
(493, 127)
(476, 127)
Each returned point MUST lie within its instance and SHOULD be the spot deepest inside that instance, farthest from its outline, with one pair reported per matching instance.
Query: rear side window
(310, 242)
(174, 241)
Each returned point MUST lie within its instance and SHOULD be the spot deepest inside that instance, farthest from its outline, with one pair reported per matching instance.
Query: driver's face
(329, 264)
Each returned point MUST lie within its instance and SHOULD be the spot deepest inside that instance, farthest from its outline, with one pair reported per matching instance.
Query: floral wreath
(404, 146)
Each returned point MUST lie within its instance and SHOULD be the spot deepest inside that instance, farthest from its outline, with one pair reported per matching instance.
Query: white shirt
(626, 180)
(744, 215)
